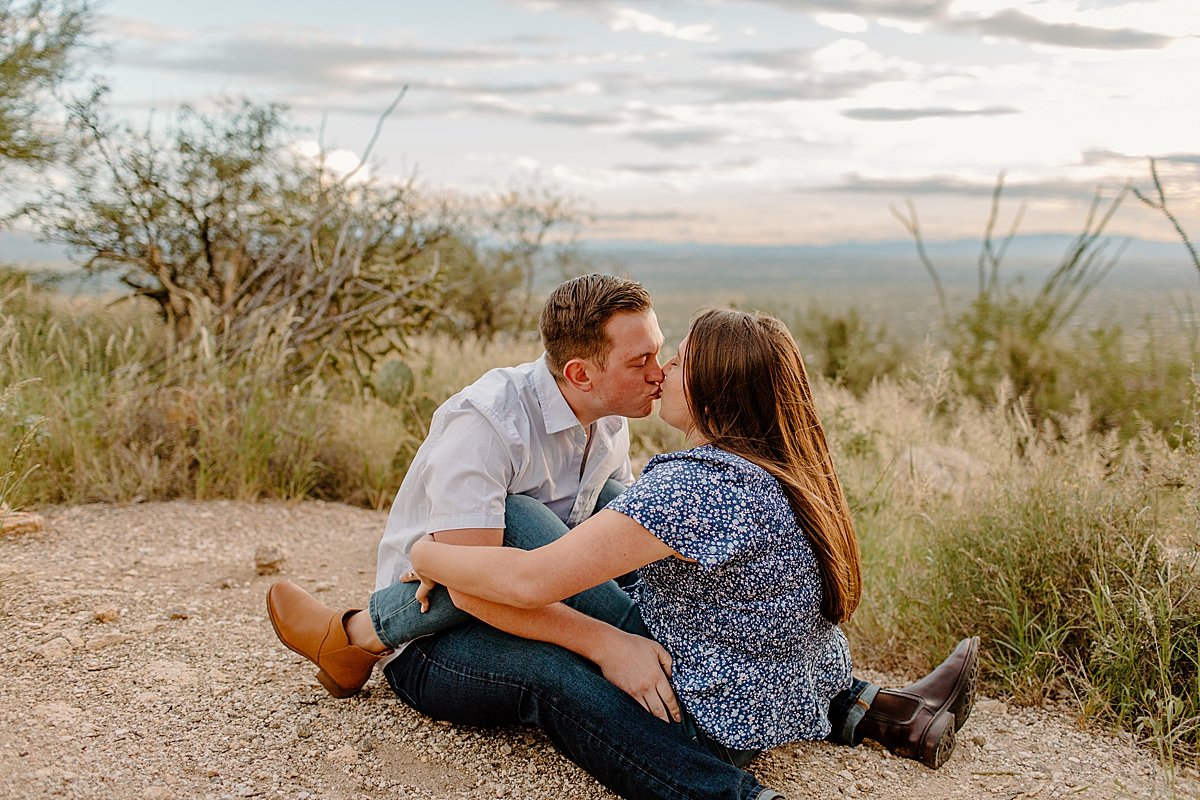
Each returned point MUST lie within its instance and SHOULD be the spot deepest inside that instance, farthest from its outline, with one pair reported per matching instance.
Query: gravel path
(138, 663)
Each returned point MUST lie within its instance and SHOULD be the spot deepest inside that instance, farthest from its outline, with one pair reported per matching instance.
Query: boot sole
(323, 678)
(964, 700)
(939, 741)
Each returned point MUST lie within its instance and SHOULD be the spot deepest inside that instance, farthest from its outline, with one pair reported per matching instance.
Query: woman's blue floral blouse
(754, 661)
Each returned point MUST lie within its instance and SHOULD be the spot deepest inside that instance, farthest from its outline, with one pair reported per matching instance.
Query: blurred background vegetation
(285, 331)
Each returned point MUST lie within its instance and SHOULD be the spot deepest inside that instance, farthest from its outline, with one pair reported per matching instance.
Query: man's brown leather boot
(920, 721)
(318, 633)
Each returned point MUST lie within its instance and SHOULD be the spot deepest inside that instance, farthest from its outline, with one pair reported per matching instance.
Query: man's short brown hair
(573, 319)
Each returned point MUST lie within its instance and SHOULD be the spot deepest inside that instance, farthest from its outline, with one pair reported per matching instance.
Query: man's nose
(656, 374)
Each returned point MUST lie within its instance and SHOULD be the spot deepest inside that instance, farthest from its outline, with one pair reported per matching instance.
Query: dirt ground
(138, 663)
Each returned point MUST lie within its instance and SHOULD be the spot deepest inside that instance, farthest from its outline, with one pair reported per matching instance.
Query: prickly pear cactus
(394, 381)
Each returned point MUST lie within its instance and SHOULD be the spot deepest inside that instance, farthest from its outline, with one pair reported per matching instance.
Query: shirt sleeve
(624, 473)
(467, 477)
(703, 511)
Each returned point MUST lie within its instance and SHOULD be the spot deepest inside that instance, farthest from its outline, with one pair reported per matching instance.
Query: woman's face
(673, 407)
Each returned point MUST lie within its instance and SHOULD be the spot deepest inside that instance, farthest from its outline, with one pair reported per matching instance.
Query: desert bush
(1007, 334)
(845, 348)
(227, 228)
(39, 39)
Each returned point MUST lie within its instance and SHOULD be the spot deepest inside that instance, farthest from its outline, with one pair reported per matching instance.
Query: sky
(722, 121)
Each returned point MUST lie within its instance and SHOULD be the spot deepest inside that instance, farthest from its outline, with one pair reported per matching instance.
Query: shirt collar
(557, 415)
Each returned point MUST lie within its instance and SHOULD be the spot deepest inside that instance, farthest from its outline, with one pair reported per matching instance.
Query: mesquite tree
(228, 229)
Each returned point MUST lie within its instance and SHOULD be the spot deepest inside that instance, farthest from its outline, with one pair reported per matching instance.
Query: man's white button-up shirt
(510, 432)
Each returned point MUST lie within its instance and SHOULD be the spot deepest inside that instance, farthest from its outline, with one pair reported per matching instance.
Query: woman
(743, 543)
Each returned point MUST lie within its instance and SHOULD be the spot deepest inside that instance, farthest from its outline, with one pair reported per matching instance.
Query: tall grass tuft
(94, 409)
(1073, 555)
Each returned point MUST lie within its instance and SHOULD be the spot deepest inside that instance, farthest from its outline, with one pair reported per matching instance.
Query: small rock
(14, 523)
(107, 640)
(54, 649)
(106, 614)
(323, 586)
(178, 613)
(268, 559)
(992, 706)
(979, 740)
(343, 755)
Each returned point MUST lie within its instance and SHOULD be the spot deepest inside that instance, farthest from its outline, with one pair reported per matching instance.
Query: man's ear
(576, 372)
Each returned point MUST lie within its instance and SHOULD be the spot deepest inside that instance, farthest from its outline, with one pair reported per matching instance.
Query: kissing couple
(662, 631)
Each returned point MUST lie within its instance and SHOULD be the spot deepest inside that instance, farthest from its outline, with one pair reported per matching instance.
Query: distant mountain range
(756, 272)
(881, 263)
(22, 248)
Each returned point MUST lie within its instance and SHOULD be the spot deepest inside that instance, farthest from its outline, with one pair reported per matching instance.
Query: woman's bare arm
(605, 546)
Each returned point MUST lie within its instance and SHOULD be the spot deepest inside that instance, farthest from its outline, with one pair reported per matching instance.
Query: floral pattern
(755, 663)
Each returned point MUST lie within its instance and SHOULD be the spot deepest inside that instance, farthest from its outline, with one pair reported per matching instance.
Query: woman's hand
(641, 668)
(423, 590)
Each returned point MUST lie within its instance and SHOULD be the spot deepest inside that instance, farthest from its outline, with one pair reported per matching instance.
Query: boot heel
(332, 687)
(939, 742)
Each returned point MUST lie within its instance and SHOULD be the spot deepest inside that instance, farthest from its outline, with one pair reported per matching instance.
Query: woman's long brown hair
(748, 393)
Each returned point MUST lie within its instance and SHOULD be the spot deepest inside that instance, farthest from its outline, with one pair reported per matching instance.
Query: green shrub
(845, 348)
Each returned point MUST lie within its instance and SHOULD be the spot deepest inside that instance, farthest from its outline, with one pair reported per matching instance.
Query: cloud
(657, 168)
(898, 9)
(1014, 24)
(315, 62)
(128, 28)
(676, 167)
(878, 114)
(845, 23)
(643, 216)
(533, 39)
(943, 185)
(1008, 23)
(1097, 157)
(625, 19)
(780, 60)
(680, 136)
(800, 77)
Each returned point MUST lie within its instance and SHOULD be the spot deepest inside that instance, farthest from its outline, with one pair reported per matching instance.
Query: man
(518, 457)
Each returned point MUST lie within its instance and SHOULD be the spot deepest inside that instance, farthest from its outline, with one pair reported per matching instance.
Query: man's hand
(641, 668)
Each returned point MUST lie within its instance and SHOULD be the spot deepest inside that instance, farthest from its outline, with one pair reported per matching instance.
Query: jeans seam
(591, 734)
(380, 621)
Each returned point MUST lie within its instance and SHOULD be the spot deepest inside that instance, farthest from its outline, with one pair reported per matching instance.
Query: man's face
(628, 385)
